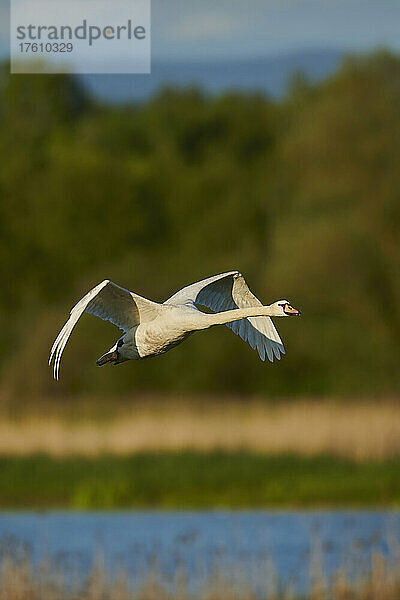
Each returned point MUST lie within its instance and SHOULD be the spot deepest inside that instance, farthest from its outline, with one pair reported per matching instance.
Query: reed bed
(20, 580)
(359, 430)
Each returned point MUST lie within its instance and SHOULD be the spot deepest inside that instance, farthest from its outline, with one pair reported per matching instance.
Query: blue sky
(212, 29)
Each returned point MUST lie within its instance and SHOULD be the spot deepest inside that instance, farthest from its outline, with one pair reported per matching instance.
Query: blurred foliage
(196, 480)
(303, 196)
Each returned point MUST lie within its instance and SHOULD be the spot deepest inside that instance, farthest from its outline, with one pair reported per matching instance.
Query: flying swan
(151, 328)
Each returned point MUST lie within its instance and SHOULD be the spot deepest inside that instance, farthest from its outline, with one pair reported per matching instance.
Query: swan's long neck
(228, 316)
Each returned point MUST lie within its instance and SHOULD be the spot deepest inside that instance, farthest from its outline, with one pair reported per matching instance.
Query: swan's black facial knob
(120, 343)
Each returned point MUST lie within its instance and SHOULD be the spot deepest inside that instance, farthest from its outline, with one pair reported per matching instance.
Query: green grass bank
(197, 480)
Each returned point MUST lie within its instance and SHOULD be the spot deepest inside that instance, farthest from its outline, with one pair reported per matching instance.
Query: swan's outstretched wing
(229, 291)
(110, 302)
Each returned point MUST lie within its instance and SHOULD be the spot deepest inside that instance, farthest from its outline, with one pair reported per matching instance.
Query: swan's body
(151, 329)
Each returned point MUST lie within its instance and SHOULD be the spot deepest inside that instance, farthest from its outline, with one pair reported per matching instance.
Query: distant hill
(270, 75)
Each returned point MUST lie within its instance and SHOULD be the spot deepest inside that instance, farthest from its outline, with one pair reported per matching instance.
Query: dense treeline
(303, 196)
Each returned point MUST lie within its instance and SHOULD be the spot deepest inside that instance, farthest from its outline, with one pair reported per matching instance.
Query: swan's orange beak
(289, 310)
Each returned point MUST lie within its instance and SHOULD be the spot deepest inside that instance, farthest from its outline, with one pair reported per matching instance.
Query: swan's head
(283, 308)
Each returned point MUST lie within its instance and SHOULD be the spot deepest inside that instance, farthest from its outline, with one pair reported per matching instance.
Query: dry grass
(359, 430)
(19, 580)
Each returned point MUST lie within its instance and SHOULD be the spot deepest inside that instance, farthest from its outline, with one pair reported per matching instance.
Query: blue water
(238, 544)
(270, 75)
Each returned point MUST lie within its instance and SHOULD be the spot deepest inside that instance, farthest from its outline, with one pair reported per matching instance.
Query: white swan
(151, 328)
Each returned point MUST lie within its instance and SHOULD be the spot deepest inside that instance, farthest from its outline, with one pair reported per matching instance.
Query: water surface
(246, 546)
